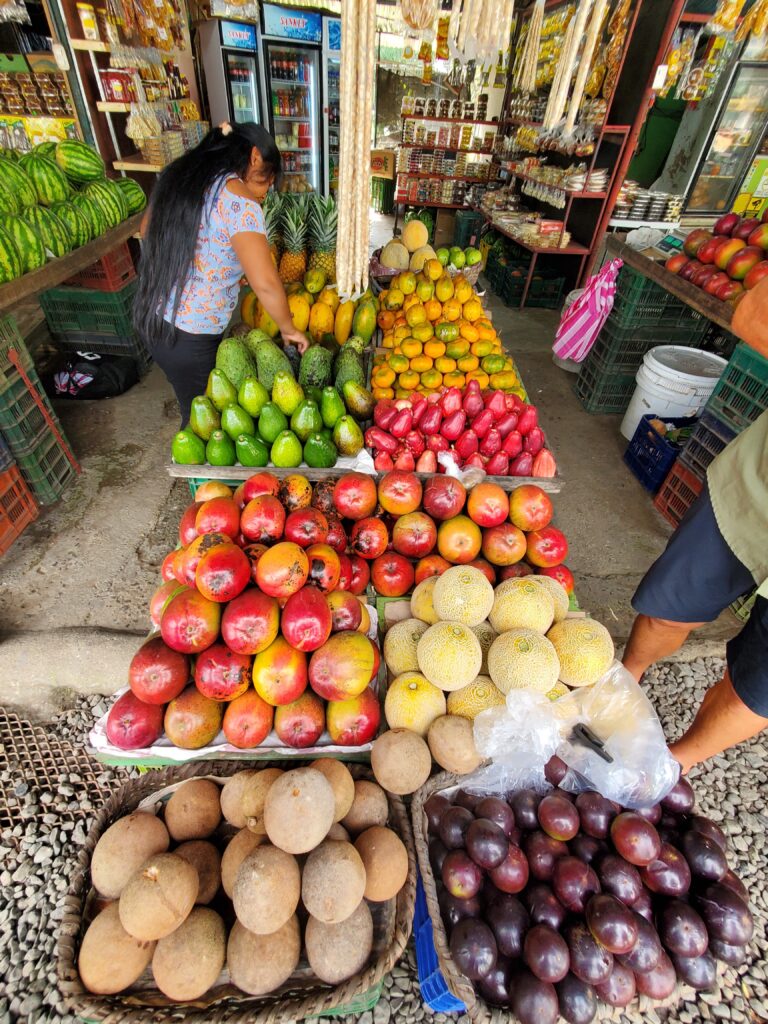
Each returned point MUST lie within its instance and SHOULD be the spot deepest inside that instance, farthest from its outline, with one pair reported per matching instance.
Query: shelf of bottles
(334, 70)
(291, 79)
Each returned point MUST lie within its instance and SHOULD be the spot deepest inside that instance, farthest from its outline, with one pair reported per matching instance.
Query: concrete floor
(74, 589)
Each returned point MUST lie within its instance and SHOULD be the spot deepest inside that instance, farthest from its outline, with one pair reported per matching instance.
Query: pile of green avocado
(260, 409)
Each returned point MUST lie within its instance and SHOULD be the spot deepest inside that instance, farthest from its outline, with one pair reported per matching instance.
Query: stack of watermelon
(56, 199)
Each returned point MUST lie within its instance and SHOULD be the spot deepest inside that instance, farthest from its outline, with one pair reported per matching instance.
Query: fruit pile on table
(726, 261)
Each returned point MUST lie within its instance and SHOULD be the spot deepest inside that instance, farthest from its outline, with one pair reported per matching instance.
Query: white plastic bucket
(672, 381)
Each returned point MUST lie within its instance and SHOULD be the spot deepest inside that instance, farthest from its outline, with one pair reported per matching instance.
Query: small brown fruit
(267, 889)
(254, 795)
(237, 850)
(401, 761)
(370, 807)
(299, 810)
(386, 862)
(333, 881)
(341, 781)
(188, 961)
(194, 810)
(232, 797)
(452, 744)
(110, 959)
(123, 848)
(338, 951)
(259, 964)
(205, 859)
(158, 897)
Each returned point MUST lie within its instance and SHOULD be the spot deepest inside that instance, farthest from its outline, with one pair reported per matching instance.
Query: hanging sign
(334, 33)
(237, 36)
(303, 26)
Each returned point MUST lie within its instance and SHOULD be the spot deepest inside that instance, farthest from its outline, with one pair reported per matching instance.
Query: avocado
(347, 436)
(286, 450)
(220, 450)
(293, 358)
(358, 400)
(349, 366)
(252, 396)
(356, 343)
(306, 419)
(316, 368)
(272, 421)
(235, 360)
(204, 417)
(187, 449)
(220, 389)
(236, 421)
(270, 358)
(287, 393)
(316, 394)
(253, 339)
(251, 451)
(331, 407)
(319, 452)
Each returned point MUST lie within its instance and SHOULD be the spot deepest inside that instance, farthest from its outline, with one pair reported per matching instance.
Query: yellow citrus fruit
(481, 348)
(421, 364)
(379, 393)
(468, 331)
(444, 288)
(398, 363)
(411, 347)
(408, 380)
(433, 269)
(433, 309)
(457, 349)
(431, 379)
(480, 376)
(394, 299)
(403, 331)
(423, 332)
(452, 309)
(445, 365)
(467, 363)
(472, 310)
(434, 349)
(416, 315)
(454, 380)
(407, 282)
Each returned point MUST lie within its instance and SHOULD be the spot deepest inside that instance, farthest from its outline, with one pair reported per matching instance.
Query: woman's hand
(297, 338)
(252, 250)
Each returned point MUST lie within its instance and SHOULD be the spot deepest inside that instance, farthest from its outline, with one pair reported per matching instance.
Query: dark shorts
(694, 580)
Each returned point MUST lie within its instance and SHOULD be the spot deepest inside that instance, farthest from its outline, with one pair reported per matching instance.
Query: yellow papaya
(342, 327)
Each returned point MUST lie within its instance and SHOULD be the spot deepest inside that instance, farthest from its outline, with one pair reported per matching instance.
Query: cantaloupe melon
(259, 964)
(422, 606)
(400, 645)
(395, 256)
(470, 700)
(420, 257)
(452, 744)
(585, 650)
(400, 761)
(415, 235)
(449, 655)
(412, 702)
(523, 659)
(463, 594)
(557, 592)
(521, 604)
(486, 634)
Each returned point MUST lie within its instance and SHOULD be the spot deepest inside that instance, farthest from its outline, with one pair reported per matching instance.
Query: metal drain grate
(37, 767)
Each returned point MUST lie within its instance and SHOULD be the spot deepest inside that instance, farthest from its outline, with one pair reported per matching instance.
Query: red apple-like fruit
(263, 519)
(167, 568)
(346, 611)
(392, 574)
(306, 619)
(295, 492)
(361, 574)
(302, 722)
(188, 558)
(369, 537)
(192, 720)
(740, 264)
(355, 721)
(355, 496)
(513, 572)
(729, 290)
(306, 526)
(485, 568)
(399, 492)
(504, 544)
(187, 528)
(223, 572)
(432, 565)
(133, 724)
(414, 534)
(221, 674)
(703, 274)
(706, 253)
(745, 229)
(253, 553)
(757, 273)
(547, 547)
(561, 573)
(530, 507)
(218, 515)
(260, 483)
(324, 567)
(337, 535)
(676, 262)
(247, 721)
(759, 236)
(716, 281)
(487, 504)
(190, 622)
(689, 270)
(157, 673)
(280, 673)
(694, 241)
(726, 250)
(727, 224)
(444, 497)
(250, 623)
(343, 666)
(282, 569)
(161, 598)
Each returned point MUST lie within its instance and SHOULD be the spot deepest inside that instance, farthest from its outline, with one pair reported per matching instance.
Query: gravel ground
(34, 872)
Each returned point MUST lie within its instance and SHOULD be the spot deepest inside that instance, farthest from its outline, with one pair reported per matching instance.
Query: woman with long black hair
(203, 230)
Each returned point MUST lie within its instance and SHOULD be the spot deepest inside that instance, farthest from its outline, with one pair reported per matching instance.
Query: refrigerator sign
(305, 27)
(236, 36)
(334, 34)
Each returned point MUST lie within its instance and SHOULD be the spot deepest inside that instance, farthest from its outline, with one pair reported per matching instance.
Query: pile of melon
(467, 647)
(299, 862)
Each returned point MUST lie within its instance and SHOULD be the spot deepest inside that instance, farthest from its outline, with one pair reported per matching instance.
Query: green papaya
(331, 407)
(320, 452)
(236, 421)
(187, 449)
(272, 421)
(251, 451)
(347, 436)
(358, 400)
(220, 450)
(306, 419)
(286, 451)
(286, 392)
(204, 417)
(220, 390)
(252, 396)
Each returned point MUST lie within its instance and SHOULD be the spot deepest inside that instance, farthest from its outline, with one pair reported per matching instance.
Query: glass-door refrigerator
(292, 47)
(331, 120)
(231, 55)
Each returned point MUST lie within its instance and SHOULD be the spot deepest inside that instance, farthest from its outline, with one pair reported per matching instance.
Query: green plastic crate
(22, 423)
(88, 311)
(601, 390)
(546, 293)
(640, 300)
(622, 347)
(741, 394)
(742, 608)
(47, 471)
(10, 338)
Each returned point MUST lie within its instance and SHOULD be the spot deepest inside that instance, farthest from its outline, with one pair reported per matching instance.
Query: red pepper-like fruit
(379, 439)
(427, 462)
(384, 412)
(497, 404)
(498, 465)
(507, 423)
(528, 419)
(415, 442)
(544, 464)
(405, 461)
(521, 465)
(534, 441)
(383, 462)
(467, 444)
(453, 425)
(513, 402)
(437, 443)
(473, 400)
(491, 443)
(402, 423)
(483, 422)
(431, 420)
(475, 460)
(451, 401)
(513, 443)
(419, 408)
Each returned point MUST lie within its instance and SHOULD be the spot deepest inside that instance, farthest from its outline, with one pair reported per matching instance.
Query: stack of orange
(436, 335)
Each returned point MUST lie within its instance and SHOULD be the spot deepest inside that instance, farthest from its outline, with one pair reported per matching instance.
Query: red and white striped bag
(582, 321)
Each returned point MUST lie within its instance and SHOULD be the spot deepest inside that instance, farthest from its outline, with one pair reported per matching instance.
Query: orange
(423, 332)
(383, 376)
(402, 393)
(433, 349)
(481, 348)
(452, 309)
(385, 319)
(411, 347)
(454, 380)
(408, 380)
(403, 331)
(468, 331)
(473, 310)
(485, 333)
(480, 376)
(467, 363)
(433, 309)
(445, 365)
(457, 349)
(421, 364)
(433, 269)
(486, 321)
(398, 363)
(431, 379)
(379, 393)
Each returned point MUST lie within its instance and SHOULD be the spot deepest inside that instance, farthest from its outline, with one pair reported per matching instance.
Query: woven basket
(299, 998)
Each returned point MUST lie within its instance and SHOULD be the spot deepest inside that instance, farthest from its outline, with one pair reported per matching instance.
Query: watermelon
(10, 154)
(134, 194)
(9, 201)
(46, 149)
(15, 178)
(55, 235)
(50, 184)
(27, 241)
(97, 223)
(76, 220)
(10, 261)
(78, 161)
(110, 200)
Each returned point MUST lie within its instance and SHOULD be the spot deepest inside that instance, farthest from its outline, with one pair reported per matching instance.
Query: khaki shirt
(738, 487)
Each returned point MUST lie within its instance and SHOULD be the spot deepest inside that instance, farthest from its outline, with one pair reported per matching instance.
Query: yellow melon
(471, 700)
(486, 634)
(463, 594)
(523, 659)
(558, 690)
(415, 235)
(449, 655)
(557, 592)
(420, 256)
(400, 645)
(412, 702)
(521, 604)
(422, 606)
(395, 256)
(585, 650)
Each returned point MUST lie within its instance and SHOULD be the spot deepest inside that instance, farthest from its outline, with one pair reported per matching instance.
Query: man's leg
(722, 721)
(652, 639)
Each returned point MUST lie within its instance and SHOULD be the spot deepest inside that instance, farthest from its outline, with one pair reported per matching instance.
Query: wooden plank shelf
(572, 249)
(137, 163)
(108, 107)
(449, 120)
(92, 45)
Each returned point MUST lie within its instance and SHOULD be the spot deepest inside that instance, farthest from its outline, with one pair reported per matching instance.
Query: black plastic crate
(650, 454)
(546, 293)
(710, 437)
(623, 347)
(601, 390)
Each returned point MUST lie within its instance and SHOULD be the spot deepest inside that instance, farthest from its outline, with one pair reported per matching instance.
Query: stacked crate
(644, 315)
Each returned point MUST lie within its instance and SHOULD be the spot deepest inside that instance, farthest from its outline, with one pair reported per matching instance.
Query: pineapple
(323, 217)
(293, 262)
(272, 208)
